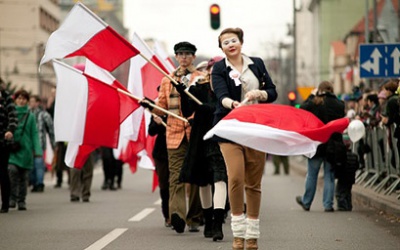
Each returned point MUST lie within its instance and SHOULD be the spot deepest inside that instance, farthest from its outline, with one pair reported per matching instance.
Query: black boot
(208, 225)
(217, 227)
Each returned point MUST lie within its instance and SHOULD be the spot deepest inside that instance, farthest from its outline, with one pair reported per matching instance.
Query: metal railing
(381, 170)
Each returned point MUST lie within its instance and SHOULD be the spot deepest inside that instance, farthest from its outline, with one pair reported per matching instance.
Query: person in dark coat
(160, 157)
(8, 125)
(204, 164)
(327, 107)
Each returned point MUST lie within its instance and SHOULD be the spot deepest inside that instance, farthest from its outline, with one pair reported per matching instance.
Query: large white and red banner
(276, 129)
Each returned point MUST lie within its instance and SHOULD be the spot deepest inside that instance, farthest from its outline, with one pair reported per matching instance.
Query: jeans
(314, 165)
(37, 173)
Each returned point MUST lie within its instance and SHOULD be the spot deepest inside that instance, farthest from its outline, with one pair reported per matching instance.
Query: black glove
(180, 88)
(190, 121)
(145, 103)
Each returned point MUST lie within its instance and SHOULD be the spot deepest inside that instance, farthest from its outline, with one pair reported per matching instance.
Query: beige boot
(238, 225)
(238, 243)
(252, 234)
(251, 244)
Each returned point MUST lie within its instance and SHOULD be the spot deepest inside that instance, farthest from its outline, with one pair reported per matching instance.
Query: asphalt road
(131, 218)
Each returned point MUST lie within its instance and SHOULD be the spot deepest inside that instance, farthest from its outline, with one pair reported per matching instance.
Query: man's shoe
(178, 223)
(167, 223)
(21, 206)
(3, 210)
(58, 185)
(300, 202)
(194, 228)
(13, 204)
(329, 209)
(74, 199)
(85, 199)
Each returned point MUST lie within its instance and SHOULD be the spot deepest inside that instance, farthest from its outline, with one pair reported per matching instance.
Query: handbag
(16, 145)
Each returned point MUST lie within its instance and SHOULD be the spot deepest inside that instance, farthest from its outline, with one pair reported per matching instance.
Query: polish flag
(163, 56)
(276, 129)
(143, 81)
(88, 113)
(84, 34)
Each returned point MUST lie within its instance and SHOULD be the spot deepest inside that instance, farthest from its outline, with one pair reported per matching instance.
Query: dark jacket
(331, 109)
(8, 115)
(160, 145)
(224, 86)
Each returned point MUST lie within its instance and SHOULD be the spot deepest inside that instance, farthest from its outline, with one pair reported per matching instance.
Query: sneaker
(167, 223)
(194, 228)
(178, 223)
(299, 201)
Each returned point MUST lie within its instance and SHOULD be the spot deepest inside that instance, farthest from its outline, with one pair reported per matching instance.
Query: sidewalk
(387, 204)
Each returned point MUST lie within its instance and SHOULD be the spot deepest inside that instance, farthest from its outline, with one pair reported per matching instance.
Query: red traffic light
(291, 96)
(215, 12)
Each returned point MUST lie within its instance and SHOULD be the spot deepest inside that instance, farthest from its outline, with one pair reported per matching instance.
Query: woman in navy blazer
(241, 80)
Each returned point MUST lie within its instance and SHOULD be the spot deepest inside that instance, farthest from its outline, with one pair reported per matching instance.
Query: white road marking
(142, 214)
(158, 202)
(107, 239)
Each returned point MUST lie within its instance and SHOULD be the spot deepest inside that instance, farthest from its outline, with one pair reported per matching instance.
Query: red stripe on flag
(107, 49)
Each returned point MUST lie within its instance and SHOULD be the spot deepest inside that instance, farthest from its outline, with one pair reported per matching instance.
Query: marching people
(235, 79)
(277, 160)
(177, 137)
(44, 124)
(81, 181)
(160, 156)
(26, 147)
(204, 164)
(8, 125)
(112, 168)
(327, 107)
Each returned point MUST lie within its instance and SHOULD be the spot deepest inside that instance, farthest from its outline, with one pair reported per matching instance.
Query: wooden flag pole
(152, 105)
(162, 122)
(170, 78)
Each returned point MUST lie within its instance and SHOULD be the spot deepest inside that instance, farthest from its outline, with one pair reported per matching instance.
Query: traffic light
(292, 97)
(215, 12)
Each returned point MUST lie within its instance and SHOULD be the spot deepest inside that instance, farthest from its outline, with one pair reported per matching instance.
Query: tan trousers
(245, 167)
(177, 193)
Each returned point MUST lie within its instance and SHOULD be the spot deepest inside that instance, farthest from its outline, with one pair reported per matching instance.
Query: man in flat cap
(177, 136)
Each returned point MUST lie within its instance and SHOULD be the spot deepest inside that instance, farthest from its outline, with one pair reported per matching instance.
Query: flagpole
(170, 78)
(162, 122)
(153, 105)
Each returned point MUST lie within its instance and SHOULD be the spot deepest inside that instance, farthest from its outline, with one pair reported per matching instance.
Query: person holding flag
(177, 136)
(241, 79)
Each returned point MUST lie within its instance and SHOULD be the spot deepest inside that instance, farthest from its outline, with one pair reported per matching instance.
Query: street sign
(380, 60)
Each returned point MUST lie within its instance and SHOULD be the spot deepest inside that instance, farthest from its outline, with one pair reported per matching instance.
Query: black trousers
(4, 177)
(343, 194)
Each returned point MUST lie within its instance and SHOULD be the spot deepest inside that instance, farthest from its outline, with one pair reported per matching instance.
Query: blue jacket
(224, 86)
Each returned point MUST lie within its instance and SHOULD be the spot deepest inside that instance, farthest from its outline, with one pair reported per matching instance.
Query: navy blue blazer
(224, 86)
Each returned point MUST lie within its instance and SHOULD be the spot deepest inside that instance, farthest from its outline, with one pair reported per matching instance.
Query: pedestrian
(177, 137)
(277, 160)
(111, 168)
(60, 166)
(8, 125)
(160, 157)
(27, 146)
(81, 181)
(204, 164)
(327, 107)
(44, 124)
(235, 79)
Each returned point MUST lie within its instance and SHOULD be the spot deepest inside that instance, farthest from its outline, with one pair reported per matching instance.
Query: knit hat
(185, 47)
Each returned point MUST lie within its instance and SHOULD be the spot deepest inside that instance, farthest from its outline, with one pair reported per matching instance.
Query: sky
(264, 22)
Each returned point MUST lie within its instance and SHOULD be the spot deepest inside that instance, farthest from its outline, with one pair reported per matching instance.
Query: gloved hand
(145, 103)
(180, 87)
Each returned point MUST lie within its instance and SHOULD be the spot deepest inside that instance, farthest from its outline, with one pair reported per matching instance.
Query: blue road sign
(379, 60)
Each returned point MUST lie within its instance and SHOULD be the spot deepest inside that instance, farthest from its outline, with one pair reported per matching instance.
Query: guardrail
(381, 170)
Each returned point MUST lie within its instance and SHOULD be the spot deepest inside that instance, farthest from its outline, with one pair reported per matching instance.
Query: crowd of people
(199, 181)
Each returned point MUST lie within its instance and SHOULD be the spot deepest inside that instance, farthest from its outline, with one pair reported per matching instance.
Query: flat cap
(185, 47)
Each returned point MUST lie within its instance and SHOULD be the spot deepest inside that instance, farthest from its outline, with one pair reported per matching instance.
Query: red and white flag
(163, 56)
(276, 129)
(88, 112)
(84, 34)
(143, 81)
